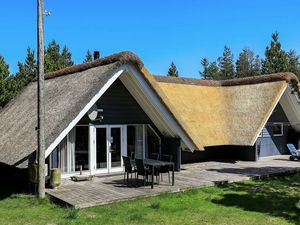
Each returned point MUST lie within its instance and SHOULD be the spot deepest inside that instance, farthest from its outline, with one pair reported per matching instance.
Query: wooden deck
(107, 189)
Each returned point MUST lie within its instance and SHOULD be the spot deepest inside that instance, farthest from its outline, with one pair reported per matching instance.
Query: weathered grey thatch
(65, 97)
(121, 57)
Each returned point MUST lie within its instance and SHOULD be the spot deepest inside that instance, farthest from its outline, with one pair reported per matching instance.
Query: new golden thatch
(223, 115)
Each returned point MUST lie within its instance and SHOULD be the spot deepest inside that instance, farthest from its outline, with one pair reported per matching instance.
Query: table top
(153, 162)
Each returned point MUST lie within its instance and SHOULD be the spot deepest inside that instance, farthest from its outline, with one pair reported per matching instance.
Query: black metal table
(156, 164)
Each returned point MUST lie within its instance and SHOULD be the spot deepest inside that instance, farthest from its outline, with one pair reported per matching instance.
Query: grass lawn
(268, 201)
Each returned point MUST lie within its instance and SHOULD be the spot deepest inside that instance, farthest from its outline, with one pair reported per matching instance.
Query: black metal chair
(129, 168)
(165, 169)
(142, 170)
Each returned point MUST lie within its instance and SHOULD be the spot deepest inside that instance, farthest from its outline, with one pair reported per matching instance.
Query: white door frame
(123, 149)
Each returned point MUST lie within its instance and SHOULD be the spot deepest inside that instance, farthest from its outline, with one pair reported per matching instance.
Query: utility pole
(40, 103)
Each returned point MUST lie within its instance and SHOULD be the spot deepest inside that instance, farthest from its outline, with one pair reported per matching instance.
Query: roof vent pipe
(96, 55)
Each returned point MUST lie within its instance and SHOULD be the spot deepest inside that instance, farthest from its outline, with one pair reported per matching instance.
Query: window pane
(277, 129)
(153, 143)
(54, 159)
(101, 148)
(63, 155)
(82, 148)
(130, 141)
(139, 133)
(115, 147)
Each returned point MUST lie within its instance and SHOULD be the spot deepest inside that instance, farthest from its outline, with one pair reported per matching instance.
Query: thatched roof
(65, 96)
(67, 93)
(208, 115)
(224, 112)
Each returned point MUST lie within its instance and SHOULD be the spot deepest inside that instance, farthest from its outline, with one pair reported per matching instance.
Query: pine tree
(66, 58)
(210, 70)
(247, 65)
(243, 64)
(7, 83)
(213, 71)
(293, 62)
(52, 56)
(27, 70)
(257, 66)
(226, 64)
(173, 70)
(205, 64)
(276, 59)
(54, 60)
(88, 57)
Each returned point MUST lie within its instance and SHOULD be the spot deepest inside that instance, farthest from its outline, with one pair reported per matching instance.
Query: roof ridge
(121, 57)
(284, 76)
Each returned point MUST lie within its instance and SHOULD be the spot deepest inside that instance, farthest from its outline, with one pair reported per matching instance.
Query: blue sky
(158, 31)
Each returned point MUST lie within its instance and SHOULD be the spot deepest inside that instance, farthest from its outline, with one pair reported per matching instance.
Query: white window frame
(281, 126)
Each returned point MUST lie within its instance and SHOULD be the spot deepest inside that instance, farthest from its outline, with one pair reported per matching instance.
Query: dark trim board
(246, 153)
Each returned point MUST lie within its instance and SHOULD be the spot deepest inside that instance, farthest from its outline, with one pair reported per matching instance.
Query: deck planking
(108, 189)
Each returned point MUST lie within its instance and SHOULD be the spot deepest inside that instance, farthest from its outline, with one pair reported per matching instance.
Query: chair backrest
(292, 149)
(132, 155)
(140, 167)
(167, 158)
(127, 164)
(154, 156)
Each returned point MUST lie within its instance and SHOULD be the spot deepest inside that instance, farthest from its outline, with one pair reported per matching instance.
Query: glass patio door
(108, 149)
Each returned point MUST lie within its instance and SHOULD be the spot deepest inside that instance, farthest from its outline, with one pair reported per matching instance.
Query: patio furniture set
(148, 167)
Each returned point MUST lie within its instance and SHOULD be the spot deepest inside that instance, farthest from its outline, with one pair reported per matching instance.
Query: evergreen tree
(27, 70)
(205, 64)
(210, 70)
(246, 64)
(173, 70)
(226, 64)
(213, 71)
(66, 58)
(293, 62)
(88, 57)
(257, 66)
(54, 60)
(276, 59)
(7, 83)
(52, 56)
(243, 64)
